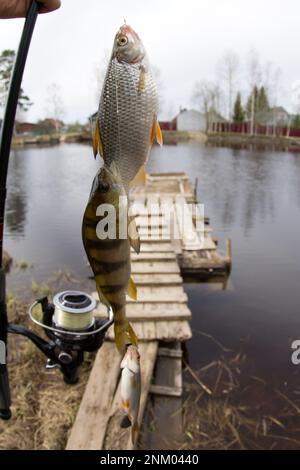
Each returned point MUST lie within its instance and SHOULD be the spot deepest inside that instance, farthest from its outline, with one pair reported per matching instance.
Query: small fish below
(131, 389)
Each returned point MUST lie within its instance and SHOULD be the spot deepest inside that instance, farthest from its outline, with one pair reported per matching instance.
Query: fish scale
(126, 116)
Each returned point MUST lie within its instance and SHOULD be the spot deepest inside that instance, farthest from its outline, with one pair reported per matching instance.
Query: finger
(48, 5)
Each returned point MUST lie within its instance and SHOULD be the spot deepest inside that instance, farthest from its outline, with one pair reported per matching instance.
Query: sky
(184, 39)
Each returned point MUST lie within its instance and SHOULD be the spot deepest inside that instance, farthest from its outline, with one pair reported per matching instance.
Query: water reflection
(16, 204)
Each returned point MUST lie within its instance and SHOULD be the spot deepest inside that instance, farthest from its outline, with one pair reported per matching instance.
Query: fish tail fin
(124, 334)
(134, 432)
(139, 179)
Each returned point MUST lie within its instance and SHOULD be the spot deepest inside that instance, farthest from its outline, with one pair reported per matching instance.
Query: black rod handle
(5, 401)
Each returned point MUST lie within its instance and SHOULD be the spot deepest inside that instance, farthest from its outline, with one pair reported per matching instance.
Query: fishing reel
(71, 327)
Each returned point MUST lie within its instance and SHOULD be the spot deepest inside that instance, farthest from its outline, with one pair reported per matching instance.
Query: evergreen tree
(238, 111)
(7, 59)
(262, 100)
(296, 121)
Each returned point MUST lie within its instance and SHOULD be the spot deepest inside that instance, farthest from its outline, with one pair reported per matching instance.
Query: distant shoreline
(241, 140)
(233, 139)
(170, 138)
(23, 141)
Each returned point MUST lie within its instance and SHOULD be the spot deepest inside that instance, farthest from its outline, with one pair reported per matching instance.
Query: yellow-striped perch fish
(127, 124)
(107, 246)
(131, 387)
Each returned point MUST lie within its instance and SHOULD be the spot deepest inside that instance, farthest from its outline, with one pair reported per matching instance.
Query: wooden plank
(157, 292)
(149, 256)
(151, 299)
(189, 237)
(176, 330)
(169, 352)
(155, 238)
(149, 332)
(90, 424)
(166, 404)
(173, 330)
(161, 246)
(157, 279)
(168, 208)
(166, 311)
(165, 391)
(153, 204)
(168, 175)
(116, 437)
(154, 232)
(146, 221)
(155, 267)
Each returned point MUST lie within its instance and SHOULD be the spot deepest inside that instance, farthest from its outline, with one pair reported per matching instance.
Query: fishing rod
(69, 322)
(5, 144)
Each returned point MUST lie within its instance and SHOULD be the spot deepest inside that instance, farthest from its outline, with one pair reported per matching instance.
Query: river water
(251, 196)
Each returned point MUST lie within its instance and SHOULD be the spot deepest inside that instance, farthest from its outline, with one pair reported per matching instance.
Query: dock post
(228, 254)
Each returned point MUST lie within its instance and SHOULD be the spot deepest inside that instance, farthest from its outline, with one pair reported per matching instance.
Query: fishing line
(118, 111)
(72, 333)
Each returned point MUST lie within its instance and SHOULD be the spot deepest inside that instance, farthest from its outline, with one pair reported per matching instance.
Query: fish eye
(122, 41)
(104, 187)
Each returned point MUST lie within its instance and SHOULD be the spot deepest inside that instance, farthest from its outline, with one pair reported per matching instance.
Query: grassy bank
(255, 140)
(44, 407)
(173, 137)
(49, 139)
(169, 137)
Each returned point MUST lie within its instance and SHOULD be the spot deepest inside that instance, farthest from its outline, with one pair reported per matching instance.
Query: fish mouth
(126, 30)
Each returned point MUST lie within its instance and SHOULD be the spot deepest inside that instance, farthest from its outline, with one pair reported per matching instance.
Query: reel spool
(74, 310)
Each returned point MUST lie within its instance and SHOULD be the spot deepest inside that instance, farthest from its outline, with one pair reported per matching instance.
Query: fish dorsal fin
(156, 133)
(131, 289)
(97, 142)
(133, 234)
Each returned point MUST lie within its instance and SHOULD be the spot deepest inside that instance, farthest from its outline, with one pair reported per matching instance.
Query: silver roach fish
(127, 124)
(131, 387)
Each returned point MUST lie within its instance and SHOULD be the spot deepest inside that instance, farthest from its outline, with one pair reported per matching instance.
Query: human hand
(19, 8)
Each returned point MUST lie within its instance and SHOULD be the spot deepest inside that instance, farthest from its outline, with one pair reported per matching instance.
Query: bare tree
(55, 106)
(156, 72)
(99, 75)
(208, 97)
(254, 75)
(271, 81)
(227, 70)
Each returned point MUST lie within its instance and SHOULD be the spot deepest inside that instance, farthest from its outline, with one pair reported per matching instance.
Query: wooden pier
(196, 249)
(160, 318)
